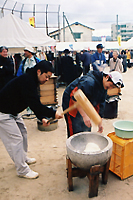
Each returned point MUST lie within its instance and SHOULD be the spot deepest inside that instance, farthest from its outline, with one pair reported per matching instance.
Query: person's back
(50, 56)
(111, 54)
(18, 60)
(68, 68)
(86, 59)
(124, 60)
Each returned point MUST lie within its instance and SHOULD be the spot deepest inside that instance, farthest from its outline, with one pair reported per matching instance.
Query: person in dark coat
(68, 68)
(111, 54)
(6, 67)
(86, 59)
(50, 56)
(124, 60)
(18, 59)
(77, 63)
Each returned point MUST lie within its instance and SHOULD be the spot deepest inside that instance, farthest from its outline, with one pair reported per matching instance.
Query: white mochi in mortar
(91, 147)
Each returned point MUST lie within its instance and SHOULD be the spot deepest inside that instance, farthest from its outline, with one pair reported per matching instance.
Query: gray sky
(97, 14)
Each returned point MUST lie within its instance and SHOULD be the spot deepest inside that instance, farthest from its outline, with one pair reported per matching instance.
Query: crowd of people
(69, 65)
(76, 63)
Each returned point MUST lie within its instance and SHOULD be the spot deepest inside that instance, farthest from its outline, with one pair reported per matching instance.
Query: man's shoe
(30, 161)
(31, 175)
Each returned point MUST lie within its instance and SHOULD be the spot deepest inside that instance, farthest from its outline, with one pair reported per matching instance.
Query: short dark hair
(109, 79)
(2, 48)
(44, 66)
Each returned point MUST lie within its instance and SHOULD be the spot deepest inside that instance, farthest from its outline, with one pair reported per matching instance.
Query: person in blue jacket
(94, 85)
(29, 61)
(98, 58)
(86, 59)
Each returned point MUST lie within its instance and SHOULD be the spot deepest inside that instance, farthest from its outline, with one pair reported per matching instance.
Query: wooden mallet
(86, 105)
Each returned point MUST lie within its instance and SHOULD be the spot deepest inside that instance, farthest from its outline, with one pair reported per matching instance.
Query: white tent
(16, 33)
(128, 44)
(60, 46)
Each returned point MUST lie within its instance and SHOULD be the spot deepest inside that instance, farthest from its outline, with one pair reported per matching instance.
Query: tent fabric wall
(78, 46)
(14, 32)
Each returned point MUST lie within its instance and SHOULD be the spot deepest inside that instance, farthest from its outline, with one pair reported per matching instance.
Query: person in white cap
(116, 78)
(30, 61)
(94, 85)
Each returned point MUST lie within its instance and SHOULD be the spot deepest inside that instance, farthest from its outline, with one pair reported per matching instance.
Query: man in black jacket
(68, 68)
(6, 67)
(16, 96)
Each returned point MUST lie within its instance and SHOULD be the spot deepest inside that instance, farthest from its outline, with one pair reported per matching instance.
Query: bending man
(94, 85)
(16, 96)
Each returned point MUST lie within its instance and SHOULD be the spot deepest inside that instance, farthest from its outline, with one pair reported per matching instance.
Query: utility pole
(21, 11)
(63, 27)
(117, 24)
(59, 23)
(47, 19)
(65, 18)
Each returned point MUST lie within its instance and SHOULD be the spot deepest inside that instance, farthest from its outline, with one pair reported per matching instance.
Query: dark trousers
(128, 63)
(86, 69)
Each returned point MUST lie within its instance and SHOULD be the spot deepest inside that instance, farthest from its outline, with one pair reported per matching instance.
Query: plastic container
(121, 162)
(123, 129)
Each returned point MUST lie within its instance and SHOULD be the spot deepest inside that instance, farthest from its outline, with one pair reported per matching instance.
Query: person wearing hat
(6, 67)
(19, 93)
(30, 61)
(98, 59)
(94, 85)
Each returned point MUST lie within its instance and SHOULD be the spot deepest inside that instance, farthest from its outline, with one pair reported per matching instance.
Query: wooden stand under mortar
(92, 174)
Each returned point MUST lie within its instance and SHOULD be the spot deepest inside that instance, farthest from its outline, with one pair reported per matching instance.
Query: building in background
(81, 33)
(124, 30)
